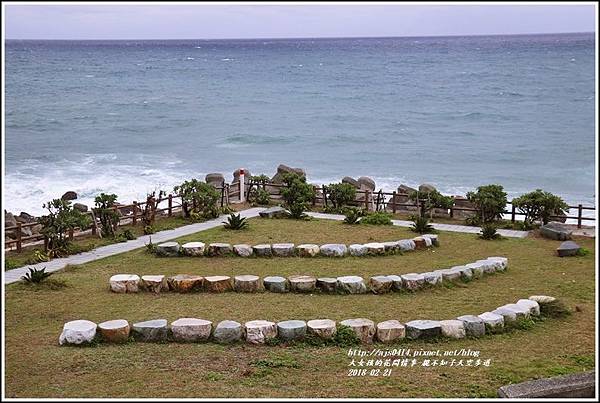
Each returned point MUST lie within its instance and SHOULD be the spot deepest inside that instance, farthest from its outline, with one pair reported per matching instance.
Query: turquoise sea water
(458, 112)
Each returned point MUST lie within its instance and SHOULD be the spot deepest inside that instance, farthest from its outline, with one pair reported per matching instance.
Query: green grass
(37, 367)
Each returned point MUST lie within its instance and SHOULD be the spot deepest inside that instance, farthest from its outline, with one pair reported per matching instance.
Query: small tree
(539, 206)
(490, 201)
(297, 194)
(341, 194)
(61, 218)
(149, 210)
(198, 199)
(429, 200)
(106, 211)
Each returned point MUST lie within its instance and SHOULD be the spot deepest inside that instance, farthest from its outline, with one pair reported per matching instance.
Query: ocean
(128, 117)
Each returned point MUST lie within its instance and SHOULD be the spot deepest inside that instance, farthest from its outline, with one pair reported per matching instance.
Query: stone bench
(579, 385)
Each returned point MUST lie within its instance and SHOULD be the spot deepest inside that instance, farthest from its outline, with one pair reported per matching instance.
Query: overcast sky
(198, 21)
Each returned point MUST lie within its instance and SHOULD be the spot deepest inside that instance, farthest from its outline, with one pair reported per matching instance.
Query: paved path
(441, 227)
(14, 275)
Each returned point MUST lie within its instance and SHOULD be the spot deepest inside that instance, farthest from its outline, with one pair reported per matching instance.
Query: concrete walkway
(437, 226)
(14, 275)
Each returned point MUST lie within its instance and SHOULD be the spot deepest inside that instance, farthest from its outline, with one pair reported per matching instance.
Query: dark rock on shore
(555, 230)
(81, 207)
(215, 179)
(70, 195)
(568, 248)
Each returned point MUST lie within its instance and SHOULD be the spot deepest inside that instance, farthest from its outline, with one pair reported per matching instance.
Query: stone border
(410, 282)
(199, 249)
(82, 332)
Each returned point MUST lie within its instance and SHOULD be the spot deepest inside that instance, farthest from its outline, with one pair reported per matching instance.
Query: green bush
(490, 200)
(149, 229)
(353, 215)
(151, 247)
(377, 218)
(61, 218)
(106, 212)
(260, 196)
(262, 178)
(428, 201)
(126, 235)
(341, 194)
(489, 232)
(421, 225)
(36, 276)
(235, 222)
(198, 199)
(297, 194)
(10, 264)
(539, 206)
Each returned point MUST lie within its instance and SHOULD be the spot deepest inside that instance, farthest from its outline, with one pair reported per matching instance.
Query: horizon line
(301, 37)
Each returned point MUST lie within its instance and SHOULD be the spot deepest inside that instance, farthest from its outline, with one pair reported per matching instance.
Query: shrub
(297, 194)
(554, 309)
(149, 229)
(262, 178)
(36, 276)
(421, 225)
(260, 196)
(235, 222)
(539, 206)
(490, 200)
(353, 215)
(199, 198)
(106, 212)
(226, 210)
(61, 218)
(341, 194)
(40, 256)
(489, 232)
(10, 264)
(583, 252)
(377, 218)
(126, 235)
(429, 200)
(150, 247)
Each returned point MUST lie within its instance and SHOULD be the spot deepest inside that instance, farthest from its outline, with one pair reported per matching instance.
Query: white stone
(283, 249)
(114, 331)
(364, 328)
(493, 322)
(509, 315)
(168, 249)
(302, 283)
(390, 331)
(454, 329)
(478, 269)
(489, 267)
(308, 250)
(191, 329)
(228, 331)
(434, 239)
(324, 328)
(391, 246)
(396, 282)
(502, 260)
(193, 248)
(413, 281)
(432, 278)
(334, 249)
(542, 299)
(257, 331)
(534, 307)
(154, 283)
(243, 250)
(124, 283)
(77, 332)
(407, 245)
(449, 274)
(275, 284)
(357, 250)
(351, 285)
(246, 283)
(521, 311)
(381, 284)
(291, 329)
(375, 248)
(263, 250)
(219, 249)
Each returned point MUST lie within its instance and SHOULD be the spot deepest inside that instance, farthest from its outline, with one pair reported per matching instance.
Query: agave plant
(353, 215)
(488, 232)
(36, 276)
(235, 221)
(421, 225)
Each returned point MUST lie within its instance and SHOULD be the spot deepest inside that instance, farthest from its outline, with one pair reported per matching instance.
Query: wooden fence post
(18, 237)
(512, 214)
(579, 215)
(367, 199)
(314, 200)
(46, 242)
(394, 202)
(135, 211)
(324, 191)
(170, 211)
(70, 234)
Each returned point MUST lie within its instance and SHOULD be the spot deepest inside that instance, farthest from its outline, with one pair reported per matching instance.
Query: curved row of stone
(131, 283)
(170, 249)
(259, 331)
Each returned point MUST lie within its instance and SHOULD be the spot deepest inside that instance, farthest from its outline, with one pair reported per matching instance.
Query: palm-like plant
(353, 215)
(36, 276)
(421, 225)
(235, 222)
(488, 232)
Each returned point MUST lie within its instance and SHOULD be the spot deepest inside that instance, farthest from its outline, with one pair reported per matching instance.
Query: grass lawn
(37, 367)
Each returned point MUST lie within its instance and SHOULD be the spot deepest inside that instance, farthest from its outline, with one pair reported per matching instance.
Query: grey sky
(197, 21)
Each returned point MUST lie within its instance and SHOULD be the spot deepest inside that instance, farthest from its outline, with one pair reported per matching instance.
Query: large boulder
(258, 331)
(426, 188)
(70, 195)
(283, 169)
(291, 329)
(150, 331)
(236, 175)
(555, 230)
(80, 207)
(390, 331)
(191, 329)
(122, 283)
(185, 283)
(115, 331)
(215, 179)
(403, 197)
(78, 332)
(364, 328)
(9, 219)
(351, 285)
(568, 248)
(366, 183)
(334, 249)
(323, 328)
(351, 181)
(423, 329)
(228, 331)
